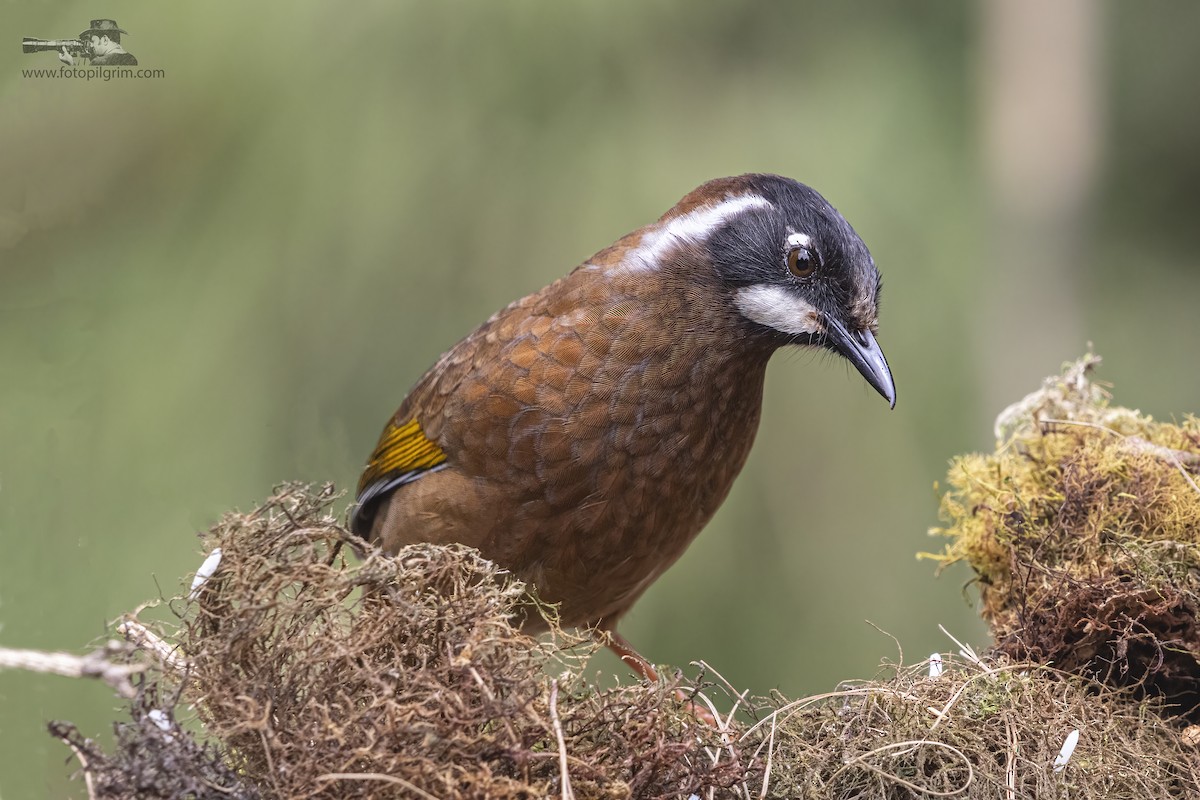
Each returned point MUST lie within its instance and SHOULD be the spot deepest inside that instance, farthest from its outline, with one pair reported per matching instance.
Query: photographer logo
(90, 55)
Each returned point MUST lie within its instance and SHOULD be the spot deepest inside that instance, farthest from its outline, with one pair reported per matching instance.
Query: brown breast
(591, 429)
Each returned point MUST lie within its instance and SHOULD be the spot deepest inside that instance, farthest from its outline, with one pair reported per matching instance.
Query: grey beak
(861, 350)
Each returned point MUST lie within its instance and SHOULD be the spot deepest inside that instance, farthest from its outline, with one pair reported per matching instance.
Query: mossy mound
(309, 675)
(292, 672)
(1084, 530)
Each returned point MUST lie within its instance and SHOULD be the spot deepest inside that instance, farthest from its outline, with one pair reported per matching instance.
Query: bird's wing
(414, 442)
(411, 444)
(403, 454)
(481, 407)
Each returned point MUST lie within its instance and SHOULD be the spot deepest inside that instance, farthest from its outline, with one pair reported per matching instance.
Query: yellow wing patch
(402, 449)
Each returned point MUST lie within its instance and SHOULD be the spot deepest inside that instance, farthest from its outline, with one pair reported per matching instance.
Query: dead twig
(96, 664)
(145, 639)
(564, 775)
(89, 780)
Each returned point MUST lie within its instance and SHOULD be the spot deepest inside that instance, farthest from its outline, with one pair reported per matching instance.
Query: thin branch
(567, 792)
(145, 639)
(88, 780)
(93, 665)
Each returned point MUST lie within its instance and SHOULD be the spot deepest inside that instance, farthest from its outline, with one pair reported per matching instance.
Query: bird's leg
(624, 650)
(614, 641)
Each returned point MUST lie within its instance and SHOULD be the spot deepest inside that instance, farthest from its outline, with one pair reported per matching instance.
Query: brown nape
(709, 194)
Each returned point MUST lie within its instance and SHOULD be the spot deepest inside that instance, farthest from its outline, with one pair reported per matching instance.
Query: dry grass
(300, 674)
(292, 671)
(312, 675)
(983, 729)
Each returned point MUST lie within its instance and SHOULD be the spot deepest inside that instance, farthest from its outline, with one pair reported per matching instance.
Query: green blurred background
(229, 276)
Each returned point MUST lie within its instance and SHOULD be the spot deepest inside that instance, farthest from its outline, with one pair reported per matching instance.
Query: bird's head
(792, 267)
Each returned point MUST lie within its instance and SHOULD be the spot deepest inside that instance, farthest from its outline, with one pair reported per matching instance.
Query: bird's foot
(698, 710)
(638, 663)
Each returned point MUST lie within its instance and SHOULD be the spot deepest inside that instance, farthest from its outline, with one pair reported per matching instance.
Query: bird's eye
(801, 261)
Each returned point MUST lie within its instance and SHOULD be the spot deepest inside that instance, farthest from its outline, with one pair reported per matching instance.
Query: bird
(582, 436)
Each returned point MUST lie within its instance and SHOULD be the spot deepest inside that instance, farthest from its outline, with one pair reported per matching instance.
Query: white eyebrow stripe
(779, 309)
(799, 240)
(695, 226)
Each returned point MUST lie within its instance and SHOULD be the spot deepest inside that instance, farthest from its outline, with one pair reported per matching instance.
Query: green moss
(1085, 520)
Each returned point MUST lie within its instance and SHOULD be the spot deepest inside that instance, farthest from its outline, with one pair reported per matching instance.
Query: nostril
(863, 336)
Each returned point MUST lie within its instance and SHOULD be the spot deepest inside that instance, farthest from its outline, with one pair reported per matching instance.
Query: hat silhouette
(103, 27)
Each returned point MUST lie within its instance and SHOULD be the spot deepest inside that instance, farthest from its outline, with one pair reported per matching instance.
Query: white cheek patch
(776, 307)
(693, 227)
